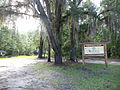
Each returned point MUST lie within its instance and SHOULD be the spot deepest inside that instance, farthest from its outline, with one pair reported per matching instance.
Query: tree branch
(17, 13)
(17, 5)
(79, 2)
(48, 9)
(104, 12)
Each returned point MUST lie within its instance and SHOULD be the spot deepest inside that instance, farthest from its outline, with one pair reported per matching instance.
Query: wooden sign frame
(95, 44)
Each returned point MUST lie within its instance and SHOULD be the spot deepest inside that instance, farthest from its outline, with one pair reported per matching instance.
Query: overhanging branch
(17, 5)
(16, 13)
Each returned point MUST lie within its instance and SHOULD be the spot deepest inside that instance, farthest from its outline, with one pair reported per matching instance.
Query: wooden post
(106, 57)
(102, 53)
(83, 59)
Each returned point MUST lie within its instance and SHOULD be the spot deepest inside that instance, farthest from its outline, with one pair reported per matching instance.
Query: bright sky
(24, 25)
(96, 2)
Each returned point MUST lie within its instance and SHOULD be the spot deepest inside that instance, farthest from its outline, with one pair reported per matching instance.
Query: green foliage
(16, 44)
(89, 28)
(89, 6)
(107, 30)
(66, 43)
(114, 46)
(7, 38)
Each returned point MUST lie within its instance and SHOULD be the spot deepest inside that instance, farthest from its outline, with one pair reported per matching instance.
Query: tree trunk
(58, 59)
(41, 48)
(53, 38)
(49, 50)
(44, 52)
(58, 14)
(73, 42)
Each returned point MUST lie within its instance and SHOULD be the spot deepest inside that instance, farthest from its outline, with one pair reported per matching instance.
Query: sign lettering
(94, 50)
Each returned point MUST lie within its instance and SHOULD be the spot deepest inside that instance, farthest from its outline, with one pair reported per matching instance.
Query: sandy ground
(15, 64)
(15, 74)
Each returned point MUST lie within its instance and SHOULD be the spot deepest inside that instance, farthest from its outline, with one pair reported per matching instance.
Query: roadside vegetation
(85, 77)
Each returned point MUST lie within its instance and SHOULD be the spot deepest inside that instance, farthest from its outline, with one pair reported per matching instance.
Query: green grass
(18, 57)
(102, 59)
(85, 77)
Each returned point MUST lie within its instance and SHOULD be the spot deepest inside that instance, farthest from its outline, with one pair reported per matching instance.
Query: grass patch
(18, 57)
(86, 77)
(102, 59)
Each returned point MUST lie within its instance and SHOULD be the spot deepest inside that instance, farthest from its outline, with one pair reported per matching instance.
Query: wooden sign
(94, 49)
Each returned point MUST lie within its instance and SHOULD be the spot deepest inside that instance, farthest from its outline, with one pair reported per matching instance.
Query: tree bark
(73, 42)
(58, 59)
(49, 50)
(40, 48)
(58, 14)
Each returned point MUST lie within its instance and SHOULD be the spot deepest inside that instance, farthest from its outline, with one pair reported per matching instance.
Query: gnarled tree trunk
(58, 14)
(54, 40)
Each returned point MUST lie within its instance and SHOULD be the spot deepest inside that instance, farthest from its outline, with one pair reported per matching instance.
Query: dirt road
(16, 74)
(16, 63)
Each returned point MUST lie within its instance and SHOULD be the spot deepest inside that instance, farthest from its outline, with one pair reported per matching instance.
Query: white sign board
(94, 50)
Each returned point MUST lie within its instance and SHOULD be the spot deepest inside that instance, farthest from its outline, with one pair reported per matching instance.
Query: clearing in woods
(33, 74)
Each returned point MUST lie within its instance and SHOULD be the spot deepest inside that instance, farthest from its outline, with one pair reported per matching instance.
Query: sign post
(94, 49)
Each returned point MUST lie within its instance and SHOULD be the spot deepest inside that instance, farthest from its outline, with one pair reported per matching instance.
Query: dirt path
(24, 79)
(16, 74)
(16, 63)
